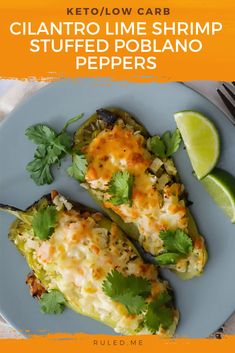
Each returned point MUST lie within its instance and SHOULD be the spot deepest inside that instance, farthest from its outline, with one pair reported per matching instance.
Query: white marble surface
(12, 92)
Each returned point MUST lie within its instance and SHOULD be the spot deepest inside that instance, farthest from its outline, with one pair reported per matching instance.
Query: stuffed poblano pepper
(133, 178)
(86, 262)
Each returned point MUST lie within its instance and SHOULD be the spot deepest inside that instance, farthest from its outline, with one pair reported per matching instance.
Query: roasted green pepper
(82, 254)
(139, 191)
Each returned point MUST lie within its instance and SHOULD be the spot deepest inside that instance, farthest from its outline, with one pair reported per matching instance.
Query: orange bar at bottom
(115, 344)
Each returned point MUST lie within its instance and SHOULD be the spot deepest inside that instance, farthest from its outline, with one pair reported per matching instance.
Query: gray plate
(204, 303)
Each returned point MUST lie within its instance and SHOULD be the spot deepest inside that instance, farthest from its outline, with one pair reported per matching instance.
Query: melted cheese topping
(114, 150)
(154, 207)
(78, 257)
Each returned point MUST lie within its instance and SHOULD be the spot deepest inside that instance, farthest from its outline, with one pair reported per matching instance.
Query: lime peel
(201, 140)
(221, 187)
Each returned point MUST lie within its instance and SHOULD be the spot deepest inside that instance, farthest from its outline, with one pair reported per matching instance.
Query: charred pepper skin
(107, 116)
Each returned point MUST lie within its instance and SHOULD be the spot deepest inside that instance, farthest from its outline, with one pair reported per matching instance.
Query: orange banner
(131, 40)
(108, 344)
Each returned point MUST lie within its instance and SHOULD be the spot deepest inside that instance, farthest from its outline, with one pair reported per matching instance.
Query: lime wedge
(201, 140)
(221, 187)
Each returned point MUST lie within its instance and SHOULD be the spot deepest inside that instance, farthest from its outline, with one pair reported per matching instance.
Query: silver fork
(227, 94)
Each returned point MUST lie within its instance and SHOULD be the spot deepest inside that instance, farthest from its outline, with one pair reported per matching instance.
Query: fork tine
(229, 91)
(228, 104)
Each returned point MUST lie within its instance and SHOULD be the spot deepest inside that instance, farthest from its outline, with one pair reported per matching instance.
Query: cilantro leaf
(132, 291)
(157, 146)
(52, 147)
(117, 283)
(171, 141)
(63, 142)
(120, 187)
(78, 168)
(163, 298)
(159, 314)
(39, 167)
(129, 291)
(167, 258)
(40, 134)
(46, 155)
(176, 241)
(165, 146)
(44, 222)
(134, 304)
(52, 302)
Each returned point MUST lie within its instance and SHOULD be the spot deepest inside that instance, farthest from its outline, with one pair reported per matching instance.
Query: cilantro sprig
(177, 244)
(159, 313)
(44, 222)
(132, 292)
(52, 302)
(165, 146)
(51, 148)
(120, 188)
(79, 167)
